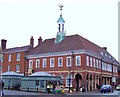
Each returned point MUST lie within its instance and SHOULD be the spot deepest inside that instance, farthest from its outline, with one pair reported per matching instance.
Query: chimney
(3, 43)
(105, 48)
(32, 41)
(39, 40)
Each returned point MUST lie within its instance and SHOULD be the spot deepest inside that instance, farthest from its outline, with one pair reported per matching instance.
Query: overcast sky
(96, 20)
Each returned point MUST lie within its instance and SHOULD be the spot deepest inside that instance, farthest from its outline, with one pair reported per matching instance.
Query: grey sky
(96, 20)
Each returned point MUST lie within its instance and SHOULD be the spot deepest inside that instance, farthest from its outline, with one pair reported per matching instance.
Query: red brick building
(14, 59)
(77, 60)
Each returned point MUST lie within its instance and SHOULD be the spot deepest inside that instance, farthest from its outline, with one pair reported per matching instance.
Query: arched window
(61, 81)
(69, 80)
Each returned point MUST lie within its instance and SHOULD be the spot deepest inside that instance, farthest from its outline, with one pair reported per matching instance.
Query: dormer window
(105, 55)
(110, 57)
(101, 53)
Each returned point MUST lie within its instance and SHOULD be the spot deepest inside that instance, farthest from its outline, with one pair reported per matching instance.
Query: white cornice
(65, 53)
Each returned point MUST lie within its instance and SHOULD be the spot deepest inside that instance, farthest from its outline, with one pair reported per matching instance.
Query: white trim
(18, 67)
(87, 61)
(30, 64)
(59, 63)
(9, 57)
(44, 63)
(66, 53)
(79, 58)
(91, 62)
(62, 54)
(52, 64)
(68, 64)
(18, 57)
(37, 65)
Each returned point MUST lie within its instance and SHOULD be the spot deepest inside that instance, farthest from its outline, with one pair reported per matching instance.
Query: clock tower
(61, 33)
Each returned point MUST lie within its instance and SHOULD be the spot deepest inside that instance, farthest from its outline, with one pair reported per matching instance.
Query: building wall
(95, 75)
(13, 62)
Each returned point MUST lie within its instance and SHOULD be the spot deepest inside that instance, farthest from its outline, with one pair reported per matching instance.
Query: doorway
(78, 78)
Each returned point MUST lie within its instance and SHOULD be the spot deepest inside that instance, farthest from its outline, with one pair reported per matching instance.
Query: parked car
(106, 88)
(118, 87)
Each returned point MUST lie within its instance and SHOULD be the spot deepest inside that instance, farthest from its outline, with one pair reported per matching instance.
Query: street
(75, 94)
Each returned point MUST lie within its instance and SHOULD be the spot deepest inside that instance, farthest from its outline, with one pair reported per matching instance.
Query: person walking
(1, 87)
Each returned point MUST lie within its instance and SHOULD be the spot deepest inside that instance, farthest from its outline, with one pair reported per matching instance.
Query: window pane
(8, 67)
(30, 63)
(18, 57)
(37, 63)
(52, 62)
(60, 62)
(87, 60)
(44, 63)
(69, 80)
(68, 61)
(78, 61)
(9, 58)
(17, 68)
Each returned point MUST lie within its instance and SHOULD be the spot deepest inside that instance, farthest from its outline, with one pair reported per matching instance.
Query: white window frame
(9, 67)
(91, 61)
(67, 80)
(37, 63)
(44, 63)
(87, 60)
(60, 64)
(30, 64)
(78, 60)
(18, 68)
(68, 62)
(18, 57)
(52, 62)
(99, 64)
(94, 62)
(9, 58)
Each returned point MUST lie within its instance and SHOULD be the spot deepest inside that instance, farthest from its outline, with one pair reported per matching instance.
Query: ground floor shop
(86, 80)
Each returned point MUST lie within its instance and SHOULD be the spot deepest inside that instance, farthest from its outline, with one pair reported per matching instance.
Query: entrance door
(78, 78)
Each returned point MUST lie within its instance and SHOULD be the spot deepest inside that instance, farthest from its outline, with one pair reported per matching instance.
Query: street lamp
(69, 78)
(101, 70)
(113, 78)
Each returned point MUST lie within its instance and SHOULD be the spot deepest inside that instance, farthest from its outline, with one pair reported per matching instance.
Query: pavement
(15, 93)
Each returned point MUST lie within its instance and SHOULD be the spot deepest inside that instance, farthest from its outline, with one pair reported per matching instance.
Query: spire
(61, 33)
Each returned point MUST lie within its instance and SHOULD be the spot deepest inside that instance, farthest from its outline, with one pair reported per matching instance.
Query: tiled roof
(70, 43)
(16, 49)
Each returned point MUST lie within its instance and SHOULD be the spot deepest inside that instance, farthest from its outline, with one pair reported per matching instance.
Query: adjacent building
(119, 39)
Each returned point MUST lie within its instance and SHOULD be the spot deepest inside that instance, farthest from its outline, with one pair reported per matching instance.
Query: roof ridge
(81, 40)
(17, 47)
(91, 43)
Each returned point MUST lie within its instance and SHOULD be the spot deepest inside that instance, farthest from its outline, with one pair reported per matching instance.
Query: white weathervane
(61, 6)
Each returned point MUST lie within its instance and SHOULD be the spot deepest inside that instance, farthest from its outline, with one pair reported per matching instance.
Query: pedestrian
(2, 88)
(54, 88)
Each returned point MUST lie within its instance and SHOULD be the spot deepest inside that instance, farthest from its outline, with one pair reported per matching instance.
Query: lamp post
(113, 79)
(69, 78)
(101, 70)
